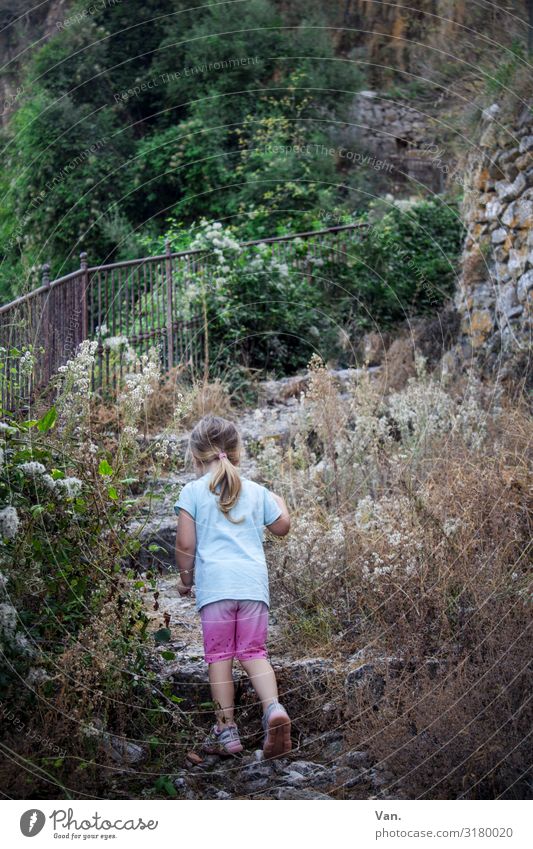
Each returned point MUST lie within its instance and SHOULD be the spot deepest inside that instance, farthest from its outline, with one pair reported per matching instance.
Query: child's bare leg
(263, 679)
(222, 690)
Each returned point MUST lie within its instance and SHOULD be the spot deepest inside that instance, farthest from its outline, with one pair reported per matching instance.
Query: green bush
(272, 310)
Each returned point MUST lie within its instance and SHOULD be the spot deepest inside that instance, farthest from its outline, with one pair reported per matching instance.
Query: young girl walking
(219, 544)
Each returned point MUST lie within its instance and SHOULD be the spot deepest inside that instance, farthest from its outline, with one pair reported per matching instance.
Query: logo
(32, 822)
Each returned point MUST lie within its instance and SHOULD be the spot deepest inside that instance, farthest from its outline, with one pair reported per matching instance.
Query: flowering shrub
(72, 620)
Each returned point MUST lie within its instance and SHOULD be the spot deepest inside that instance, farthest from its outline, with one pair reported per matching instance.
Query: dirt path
(322, 765)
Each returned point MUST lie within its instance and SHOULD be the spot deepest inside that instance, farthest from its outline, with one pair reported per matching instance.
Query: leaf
(162, 636)
(57, 474)
(48, 420)
(164, 783)
(168, 655)
(176, 699)
(104, 468)
(112, 493)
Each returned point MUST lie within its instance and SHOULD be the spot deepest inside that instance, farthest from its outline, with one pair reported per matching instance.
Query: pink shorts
(234, 629)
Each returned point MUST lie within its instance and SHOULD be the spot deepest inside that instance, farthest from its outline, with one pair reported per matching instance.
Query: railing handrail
(175, 255)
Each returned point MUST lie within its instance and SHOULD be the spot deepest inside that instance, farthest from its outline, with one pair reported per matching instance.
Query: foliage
(122, 123)
(271, 306)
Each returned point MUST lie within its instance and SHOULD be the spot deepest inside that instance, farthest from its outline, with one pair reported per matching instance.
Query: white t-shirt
(229, 560)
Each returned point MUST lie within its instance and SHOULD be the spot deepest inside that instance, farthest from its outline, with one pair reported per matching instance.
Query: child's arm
(282, 524)
(185, 550)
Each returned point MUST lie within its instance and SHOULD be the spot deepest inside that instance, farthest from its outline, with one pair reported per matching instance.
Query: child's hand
(182, 589)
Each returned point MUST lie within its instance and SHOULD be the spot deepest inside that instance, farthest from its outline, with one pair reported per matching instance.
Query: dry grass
(413, 550)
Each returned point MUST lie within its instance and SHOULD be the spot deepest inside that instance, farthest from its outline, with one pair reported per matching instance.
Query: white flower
(1, 457)
(26, 363)
(22, 644)
(36, 676)
(48, 481)
(32, 469)
(102, 330)
(115, 343)
(8, 619)
(451, 526)
(70, 486)
(9, 522)
(6, 428)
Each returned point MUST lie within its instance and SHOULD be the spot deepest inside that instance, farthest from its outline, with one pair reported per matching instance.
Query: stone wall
(389, 127)
(403, 136)
(495, 289)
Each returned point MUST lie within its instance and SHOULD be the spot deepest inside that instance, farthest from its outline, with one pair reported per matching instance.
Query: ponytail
(226, 483)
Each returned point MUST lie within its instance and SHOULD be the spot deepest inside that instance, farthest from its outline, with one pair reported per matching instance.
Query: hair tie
(222, 455)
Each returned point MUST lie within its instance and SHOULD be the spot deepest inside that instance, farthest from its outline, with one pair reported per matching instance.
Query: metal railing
(139, 299)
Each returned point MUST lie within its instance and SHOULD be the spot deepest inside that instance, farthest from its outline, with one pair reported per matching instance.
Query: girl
(221, 518)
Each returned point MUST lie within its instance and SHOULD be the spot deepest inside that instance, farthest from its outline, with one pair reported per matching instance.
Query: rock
(526, 144)
(184, 788)
(507, 303)
(493, 210)
(525, 161)
(159, 532)
(490, 113)
(498, 236)
(510, 191)
(194, 759)
(257, 771)
(293, 777)
(373, 349)
(122, 751)
(308, 769)
(517, 261)
(308, 673)
(524, 285)
(221, 794)
(524, 213)
(478, 326)
(355, 759)
(361, 675)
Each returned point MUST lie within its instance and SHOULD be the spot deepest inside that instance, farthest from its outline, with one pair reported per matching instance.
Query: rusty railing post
(170, 330)
(84, 288)
(47, 330)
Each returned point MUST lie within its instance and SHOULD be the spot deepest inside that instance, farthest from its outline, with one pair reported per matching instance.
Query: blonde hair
(215, 438)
